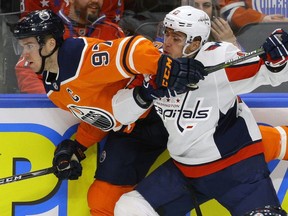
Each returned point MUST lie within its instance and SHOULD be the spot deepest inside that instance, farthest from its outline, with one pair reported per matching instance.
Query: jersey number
(100, 58)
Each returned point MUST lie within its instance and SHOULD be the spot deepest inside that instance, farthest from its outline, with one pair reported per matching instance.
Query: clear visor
(160, 32)
(16, 46)
(24, 48)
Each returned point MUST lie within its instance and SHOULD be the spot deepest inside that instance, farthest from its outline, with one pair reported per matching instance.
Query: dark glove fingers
(75, 171)
(200, 67)
(172, 93)
(183, 71)
(276, 51)
(180, 86)
(62, 175)
(66, 160)
(63, 165)
(275, 45)
(284, 38)
(197, 72)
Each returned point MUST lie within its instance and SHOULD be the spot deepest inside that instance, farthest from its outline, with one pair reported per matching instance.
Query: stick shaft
(231, 62)
(28, 175)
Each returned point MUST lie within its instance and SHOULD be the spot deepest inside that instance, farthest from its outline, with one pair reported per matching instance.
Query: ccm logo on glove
(167, 72)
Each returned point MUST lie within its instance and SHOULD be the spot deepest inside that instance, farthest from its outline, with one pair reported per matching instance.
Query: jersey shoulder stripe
(125, 56)
(132, 54)
(243, 71)
(70, 57)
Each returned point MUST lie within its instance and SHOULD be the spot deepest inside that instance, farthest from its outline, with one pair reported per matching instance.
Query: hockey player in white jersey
(214, 141)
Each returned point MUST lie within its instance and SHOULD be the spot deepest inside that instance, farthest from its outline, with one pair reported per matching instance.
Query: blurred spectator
(113, 9)
(142, 16)
(211, 7)
(84, 18)
(220, 29)
(10, 11)
(27, 6)
(81, 18)
(242, 12)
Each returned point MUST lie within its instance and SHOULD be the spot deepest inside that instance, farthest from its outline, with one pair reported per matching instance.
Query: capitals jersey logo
(94, 116)
(186, 117)
(213, 46)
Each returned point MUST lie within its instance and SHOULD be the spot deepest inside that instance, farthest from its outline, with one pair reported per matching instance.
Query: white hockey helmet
(190, 21)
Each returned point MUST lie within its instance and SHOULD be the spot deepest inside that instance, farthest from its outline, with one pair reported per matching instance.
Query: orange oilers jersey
(28, 81)
(91, 71)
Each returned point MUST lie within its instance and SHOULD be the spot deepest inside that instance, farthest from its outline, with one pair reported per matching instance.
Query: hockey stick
(28, 175)
(231, 62)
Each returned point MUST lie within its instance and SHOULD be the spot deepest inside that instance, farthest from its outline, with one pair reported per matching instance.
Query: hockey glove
(276, 50)
(145, 94)
(180, 74)
(66, 161)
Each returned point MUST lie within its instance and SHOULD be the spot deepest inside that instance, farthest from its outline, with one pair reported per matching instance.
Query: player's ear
(51, 43)
(49, 46)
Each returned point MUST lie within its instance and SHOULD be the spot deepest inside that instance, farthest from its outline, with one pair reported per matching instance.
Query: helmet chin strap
(44, 58)
(184, 54)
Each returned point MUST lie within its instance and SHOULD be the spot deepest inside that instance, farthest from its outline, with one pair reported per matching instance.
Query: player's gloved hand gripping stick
(184, 73)
(274, 52)
(177, 74)
(67, 158)
(66, 163)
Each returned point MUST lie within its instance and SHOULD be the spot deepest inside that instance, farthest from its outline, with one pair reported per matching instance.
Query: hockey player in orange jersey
(81, 75)
(76, 98)
(81, 18)
(91, 134)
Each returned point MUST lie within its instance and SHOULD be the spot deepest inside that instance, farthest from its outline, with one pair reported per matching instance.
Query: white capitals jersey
(211, 122)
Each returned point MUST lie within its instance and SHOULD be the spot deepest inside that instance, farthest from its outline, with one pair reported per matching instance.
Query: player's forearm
(125, 109)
